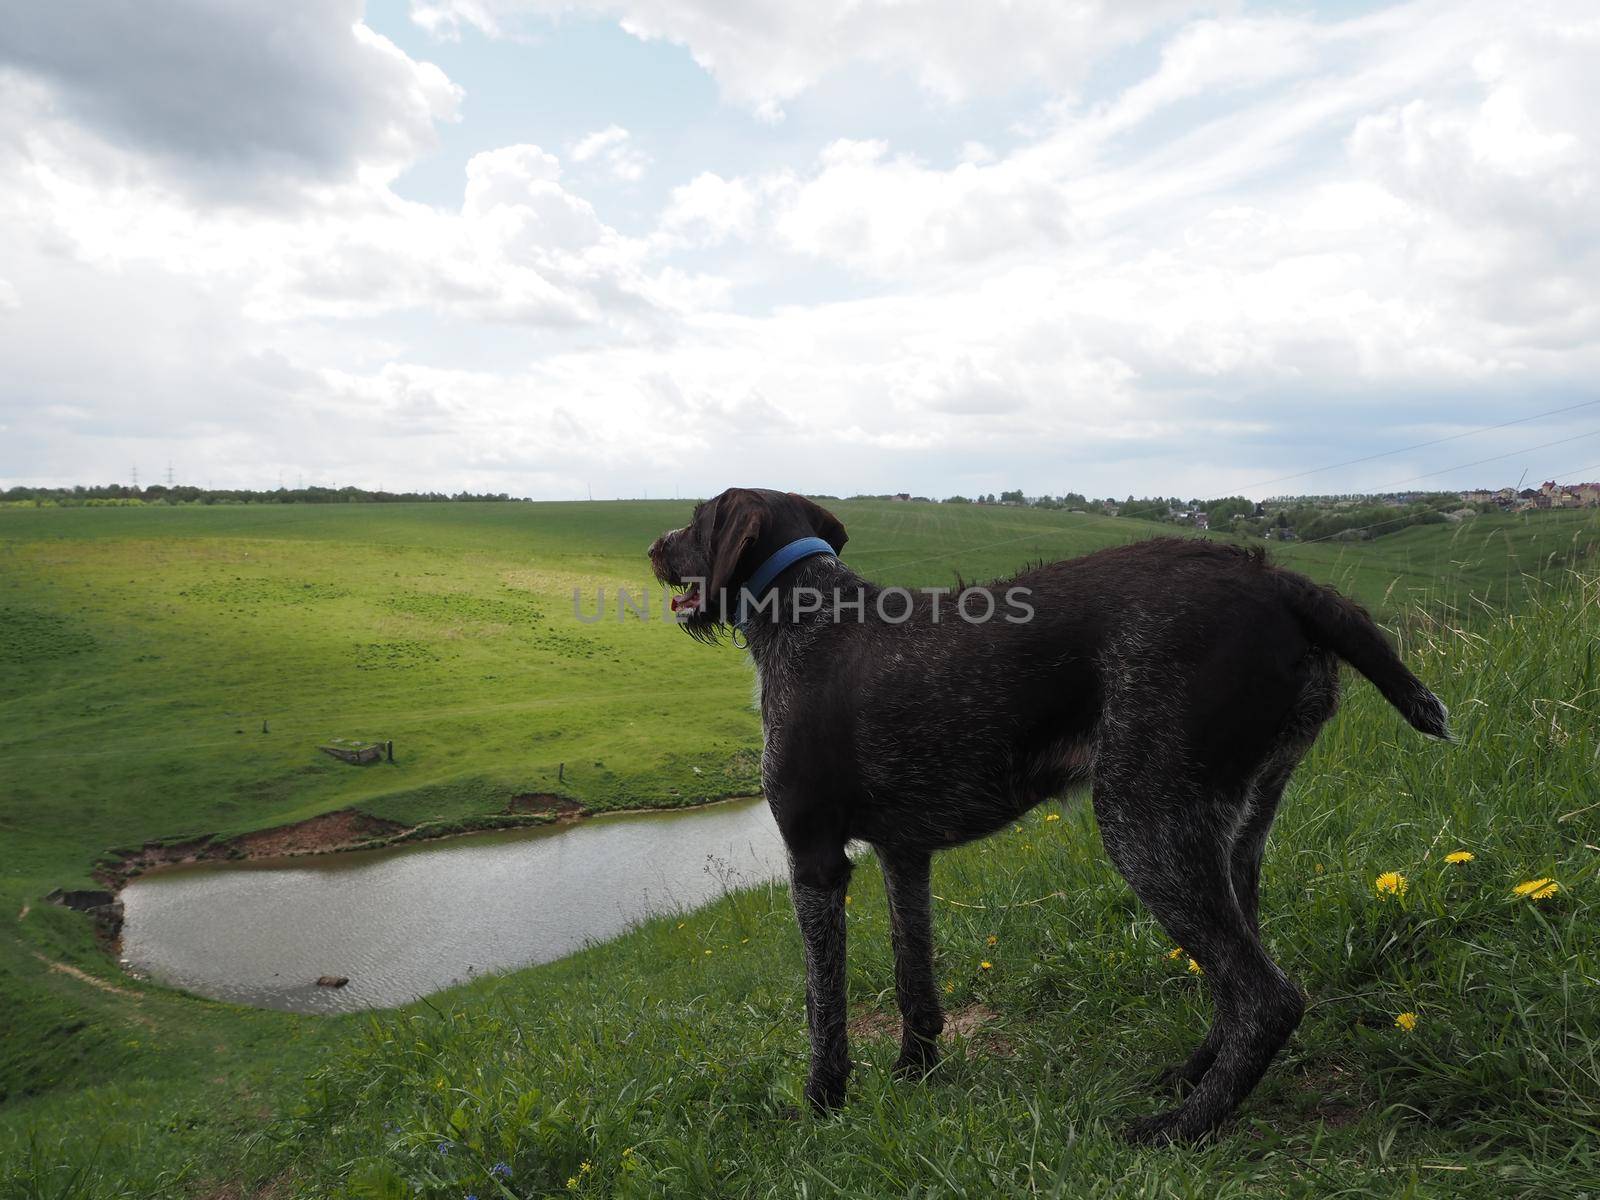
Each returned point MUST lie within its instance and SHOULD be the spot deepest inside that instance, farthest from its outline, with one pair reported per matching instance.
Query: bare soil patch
(84, 977)
(330, 831)
(967, 1024)
(347, 829)
(547, 803)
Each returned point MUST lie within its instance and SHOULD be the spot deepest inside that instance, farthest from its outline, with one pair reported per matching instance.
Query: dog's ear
(823, 523)
(734, 528)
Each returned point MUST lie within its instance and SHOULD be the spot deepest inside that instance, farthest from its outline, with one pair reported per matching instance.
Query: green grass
(144, 639)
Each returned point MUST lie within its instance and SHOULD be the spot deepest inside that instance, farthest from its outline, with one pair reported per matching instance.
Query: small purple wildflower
(500, 1170)
(444, 1147)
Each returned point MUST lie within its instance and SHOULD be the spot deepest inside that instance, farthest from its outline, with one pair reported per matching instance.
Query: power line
(1419, 445)
(1577, 437)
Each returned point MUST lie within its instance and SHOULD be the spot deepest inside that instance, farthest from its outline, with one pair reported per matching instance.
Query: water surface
(410, 920)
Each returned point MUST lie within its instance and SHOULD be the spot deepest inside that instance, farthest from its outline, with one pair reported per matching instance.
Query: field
(169, 673)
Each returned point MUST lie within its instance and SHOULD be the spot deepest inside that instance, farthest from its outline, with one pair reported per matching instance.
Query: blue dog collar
(781, 561)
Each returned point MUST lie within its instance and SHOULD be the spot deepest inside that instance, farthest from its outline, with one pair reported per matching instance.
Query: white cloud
(767, 52)
(710, 209)
(613, 148)
(236, 99)
(522, 249)
(1504, 186)
(892, 216)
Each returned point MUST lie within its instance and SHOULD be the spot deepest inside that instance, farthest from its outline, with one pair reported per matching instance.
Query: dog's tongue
(689, 599)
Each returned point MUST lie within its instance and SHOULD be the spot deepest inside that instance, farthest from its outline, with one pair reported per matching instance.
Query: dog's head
(723, 545)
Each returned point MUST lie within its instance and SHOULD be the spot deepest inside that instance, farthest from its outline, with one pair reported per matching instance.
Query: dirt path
(62, 968)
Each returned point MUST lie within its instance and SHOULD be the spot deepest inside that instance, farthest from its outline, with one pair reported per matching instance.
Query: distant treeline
(1314, 518)
(117, 494)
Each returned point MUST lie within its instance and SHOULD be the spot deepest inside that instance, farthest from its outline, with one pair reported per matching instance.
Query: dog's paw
(825, 1096)
(1183, 1124)
(916, 1060)
(1159, 1130)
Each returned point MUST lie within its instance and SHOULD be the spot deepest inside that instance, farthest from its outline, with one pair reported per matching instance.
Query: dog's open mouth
(687, 600)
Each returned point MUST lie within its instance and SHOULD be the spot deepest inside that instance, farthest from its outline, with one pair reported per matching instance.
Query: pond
(410, 920)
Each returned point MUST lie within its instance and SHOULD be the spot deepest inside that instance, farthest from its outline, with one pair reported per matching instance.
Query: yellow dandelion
(849, 900)
(572, 1183)
(706, 952)
(1460, 856)
(1195, 968)
(1175, 953)
(985, 965)
(585, 1167)
(949, 986)
(992, 940)
(1406, 1021)
(1390, 883)
(1318, 868)
(1537, 889)
(1053, 817)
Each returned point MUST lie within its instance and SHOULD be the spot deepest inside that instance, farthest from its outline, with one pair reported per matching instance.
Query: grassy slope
(428, 583)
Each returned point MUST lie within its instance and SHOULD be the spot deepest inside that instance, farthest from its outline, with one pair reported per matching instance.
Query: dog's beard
(705, 620)
(691, 607)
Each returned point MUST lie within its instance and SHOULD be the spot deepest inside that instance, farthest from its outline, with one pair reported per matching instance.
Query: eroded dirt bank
(327, 833)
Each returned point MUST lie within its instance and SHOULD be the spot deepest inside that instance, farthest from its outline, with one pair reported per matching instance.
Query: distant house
(902, 496)
(1202, 520)
(1567, 495)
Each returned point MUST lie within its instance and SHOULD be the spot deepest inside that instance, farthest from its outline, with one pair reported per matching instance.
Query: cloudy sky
(646, 247)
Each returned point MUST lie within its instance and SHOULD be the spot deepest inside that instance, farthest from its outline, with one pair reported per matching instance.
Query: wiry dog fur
(1182, 680)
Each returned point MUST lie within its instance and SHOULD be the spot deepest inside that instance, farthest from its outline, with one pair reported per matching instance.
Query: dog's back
(1179, 648)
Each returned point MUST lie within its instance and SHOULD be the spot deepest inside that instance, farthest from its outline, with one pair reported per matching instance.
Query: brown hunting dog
(1180, 680)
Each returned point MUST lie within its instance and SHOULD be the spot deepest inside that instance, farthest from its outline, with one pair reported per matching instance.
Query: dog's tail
(1343, 626)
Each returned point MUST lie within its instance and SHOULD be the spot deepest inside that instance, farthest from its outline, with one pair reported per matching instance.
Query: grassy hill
(144, 649)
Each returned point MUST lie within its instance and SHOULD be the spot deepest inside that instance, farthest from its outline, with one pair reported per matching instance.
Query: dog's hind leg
(1249, 845)
(817, 881)
(905, 876)
(1174, 846)
(1315, 705)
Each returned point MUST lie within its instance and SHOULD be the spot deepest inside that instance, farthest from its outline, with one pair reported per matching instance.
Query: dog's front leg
(818, 884)
(905, 875)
